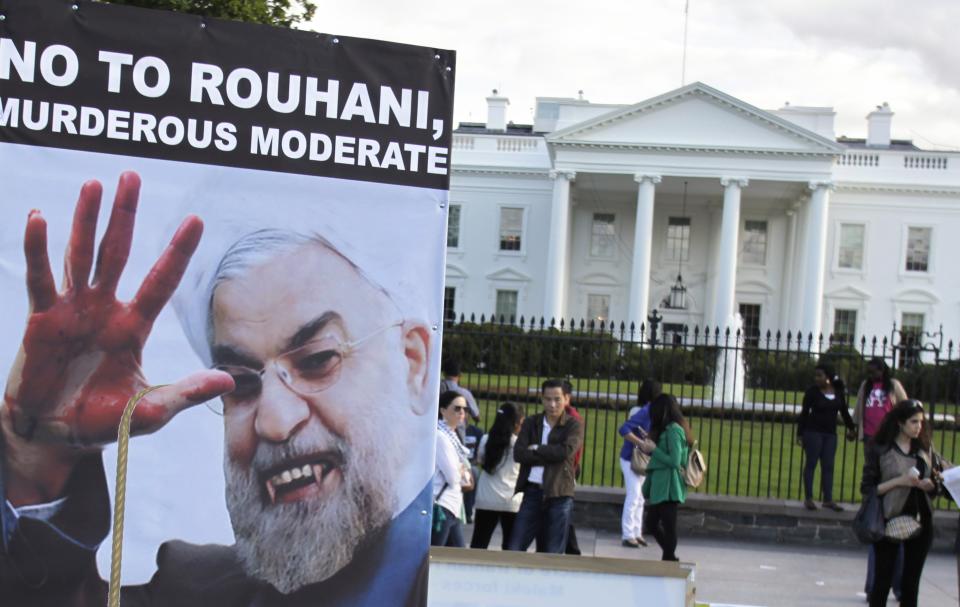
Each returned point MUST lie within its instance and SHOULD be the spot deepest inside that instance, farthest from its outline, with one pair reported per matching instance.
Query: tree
(284, 13)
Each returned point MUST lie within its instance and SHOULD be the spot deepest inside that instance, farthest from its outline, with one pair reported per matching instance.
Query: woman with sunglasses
(898, 468)
(451, 475)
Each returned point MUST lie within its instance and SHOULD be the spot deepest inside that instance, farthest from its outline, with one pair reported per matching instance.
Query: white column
(727, 263)
(787, 276)
(556, 275)
(799, 278)
(816, 256)
(642, 244)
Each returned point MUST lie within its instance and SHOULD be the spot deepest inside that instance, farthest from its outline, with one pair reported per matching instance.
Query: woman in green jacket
(664, 488)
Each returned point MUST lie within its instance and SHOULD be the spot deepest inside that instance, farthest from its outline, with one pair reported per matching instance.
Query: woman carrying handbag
(665, 487)
(633, 463)
(898, 467)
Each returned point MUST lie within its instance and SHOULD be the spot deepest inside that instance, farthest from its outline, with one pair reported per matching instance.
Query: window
(453, 227)
(678, 239)
(845, 326)
(506, 305)
(750, 313)
(598, 307)
(911, 338)
(918, 249)
(511, 229)
(603, 235)
(673, 333)
(754, 243)
(449, 300)
(851, 246)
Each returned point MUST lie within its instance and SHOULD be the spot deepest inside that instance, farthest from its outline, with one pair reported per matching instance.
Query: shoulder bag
(639, 461)
(696, 467)
(868, 523)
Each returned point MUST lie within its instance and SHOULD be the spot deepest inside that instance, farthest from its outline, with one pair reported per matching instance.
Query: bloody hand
(80, 357)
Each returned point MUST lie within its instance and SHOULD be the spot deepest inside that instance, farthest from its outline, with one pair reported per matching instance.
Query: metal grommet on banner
(443, 205)
(75, 7)
(203, 25)
(336, 41)
(437, 57)
(3, 17)
(449, 69)
(434, 327)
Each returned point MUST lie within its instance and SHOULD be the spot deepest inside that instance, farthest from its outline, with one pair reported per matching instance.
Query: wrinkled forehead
(262, 306)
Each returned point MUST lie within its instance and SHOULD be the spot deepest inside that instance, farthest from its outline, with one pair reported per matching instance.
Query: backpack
(696, 467)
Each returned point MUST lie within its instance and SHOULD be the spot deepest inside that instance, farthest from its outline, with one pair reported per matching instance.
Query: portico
(757, 194)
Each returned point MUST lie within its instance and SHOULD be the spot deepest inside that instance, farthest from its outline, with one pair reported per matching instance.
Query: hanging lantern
(678, 295)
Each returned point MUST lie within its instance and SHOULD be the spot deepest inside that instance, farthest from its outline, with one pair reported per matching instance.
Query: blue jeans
(821, 447)
(447, 532)
(546, 520)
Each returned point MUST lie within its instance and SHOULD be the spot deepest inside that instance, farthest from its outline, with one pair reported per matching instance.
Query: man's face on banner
(327, 379)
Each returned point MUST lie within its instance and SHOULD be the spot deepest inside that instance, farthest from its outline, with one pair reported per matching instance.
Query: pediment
(454, 271)
(916, 295)
(508, 274)
(599, 279)
(848, 292)
(754, 286)
(696, 117)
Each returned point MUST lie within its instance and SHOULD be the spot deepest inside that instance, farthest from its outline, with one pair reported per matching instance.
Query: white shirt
(536, 473)
(495, 491)
(448, 470)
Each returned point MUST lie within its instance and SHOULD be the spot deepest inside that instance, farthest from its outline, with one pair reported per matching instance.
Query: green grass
(744, 458)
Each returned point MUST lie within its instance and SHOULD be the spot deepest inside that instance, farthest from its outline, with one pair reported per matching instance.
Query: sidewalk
(737, 573)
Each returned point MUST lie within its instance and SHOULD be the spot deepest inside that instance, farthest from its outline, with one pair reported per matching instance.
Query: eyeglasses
(307, 369)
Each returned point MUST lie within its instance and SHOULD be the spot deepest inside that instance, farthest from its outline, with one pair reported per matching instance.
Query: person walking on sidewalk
(632, 431)
(899, 468)
(817, 432)
(875, 398)
(665, 488)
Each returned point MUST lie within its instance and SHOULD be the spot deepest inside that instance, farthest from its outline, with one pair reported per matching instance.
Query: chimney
(878, 126)
(497, 112)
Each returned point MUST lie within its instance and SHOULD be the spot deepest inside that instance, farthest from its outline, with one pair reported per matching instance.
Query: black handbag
(868, 524)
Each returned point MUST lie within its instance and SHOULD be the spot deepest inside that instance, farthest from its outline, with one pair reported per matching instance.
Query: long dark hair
(839, 388)
(649, 390)
(890, 426)
(881, 365)
(665, 410)
(498, 438)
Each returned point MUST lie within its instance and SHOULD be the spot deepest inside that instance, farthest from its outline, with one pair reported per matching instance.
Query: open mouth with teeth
(294, 480)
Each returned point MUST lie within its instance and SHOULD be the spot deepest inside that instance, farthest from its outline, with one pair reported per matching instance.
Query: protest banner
(275, 249)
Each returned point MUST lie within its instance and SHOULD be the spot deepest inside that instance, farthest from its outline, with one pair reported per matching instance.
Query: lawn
(744, 457)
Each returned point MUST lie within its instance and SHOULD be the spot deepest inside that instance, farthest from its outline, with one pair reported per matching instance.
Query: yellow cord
(123, 440)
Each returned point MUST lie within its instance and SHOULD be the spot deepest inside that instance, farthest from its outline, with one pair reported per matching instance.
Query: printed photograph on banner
(287, 314)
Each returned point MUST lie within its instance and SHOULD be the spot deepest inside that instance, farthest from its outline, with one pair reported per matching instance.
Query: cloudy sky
(849, 54)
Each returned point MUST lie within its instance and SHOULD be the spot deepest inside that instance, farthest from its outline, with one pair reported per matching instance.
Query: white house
(594, 210)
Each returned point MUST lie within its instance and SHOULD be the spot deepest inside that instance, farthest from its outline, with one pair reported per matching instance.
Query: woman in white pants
(633, 431)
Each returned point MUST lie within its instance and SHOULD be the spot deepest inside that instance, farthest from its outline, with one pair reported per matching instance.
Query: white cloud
(852, 55)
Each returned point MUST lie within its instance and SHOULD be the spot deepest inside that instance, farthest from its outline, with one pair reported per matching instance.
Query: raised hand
(79, 361)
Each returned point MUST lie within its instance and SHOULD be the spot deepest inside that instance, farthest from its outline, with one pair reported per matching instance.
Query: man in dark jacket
(546, 450)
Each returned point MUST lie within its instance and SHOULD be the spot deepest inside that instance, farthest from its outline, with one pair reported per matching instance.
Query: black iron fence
(741, 393)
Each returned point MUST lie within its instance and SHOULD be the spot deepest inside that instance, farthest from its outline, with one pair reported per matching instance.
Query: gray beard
(295, 544)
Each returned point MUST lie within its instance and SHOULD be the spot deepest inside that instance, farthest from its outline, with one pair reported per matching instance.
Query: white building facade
(595, 210)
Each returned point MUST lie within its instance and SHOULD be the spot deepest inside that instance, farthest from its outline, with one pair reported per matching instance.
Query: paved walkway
(774, 575)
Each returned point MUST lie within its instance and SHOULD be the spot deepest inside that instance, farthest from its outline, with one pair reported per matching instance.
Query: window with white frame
(918, 249)
(598, 307)
(754, 242)
(506, 305)
(850, 252)
(844, 326)
(678, 238)
(449, 301)
(453, 227)
(603, 235)
(911, 338)
(511, 229)
(750, 313)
